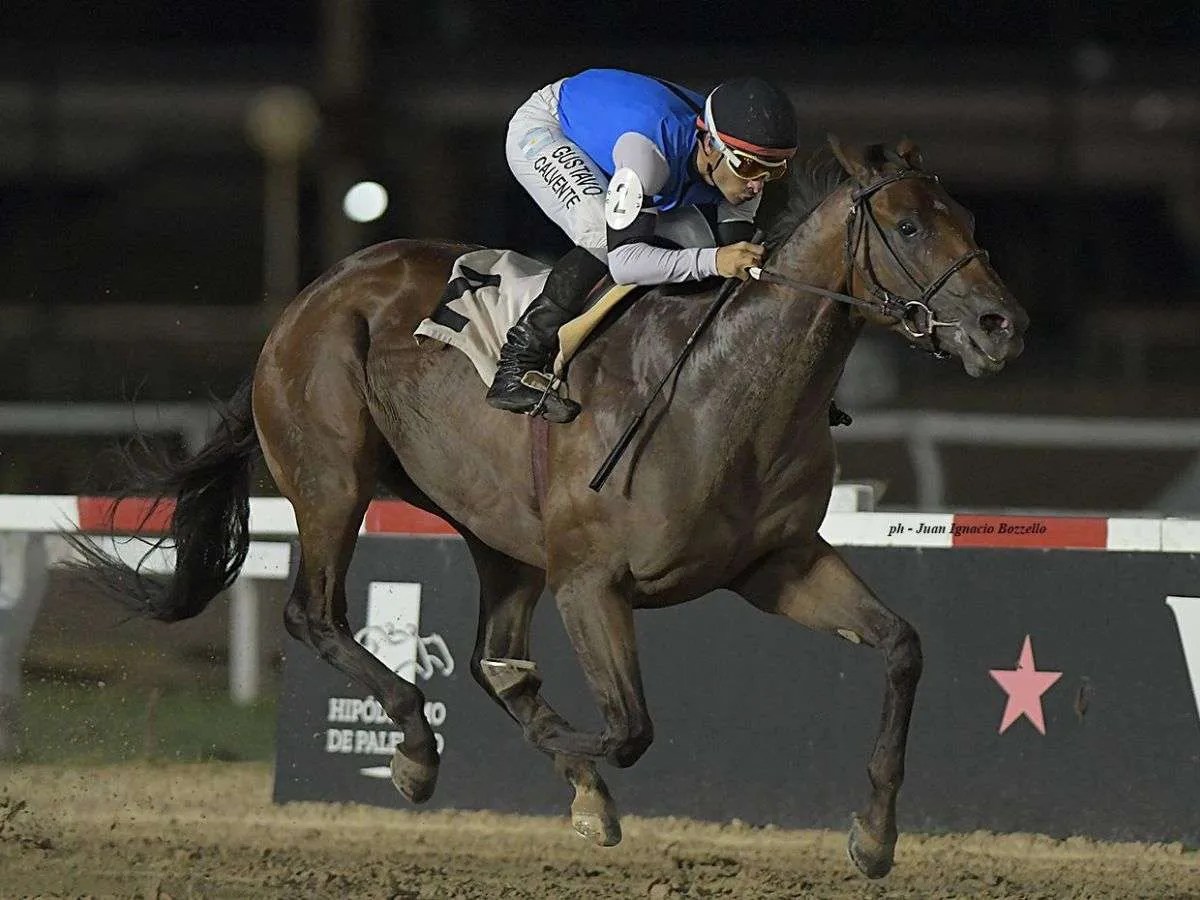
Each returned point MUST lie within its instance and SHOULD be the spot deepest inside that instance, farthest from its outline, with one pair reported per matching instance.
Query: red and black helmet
(753, 116)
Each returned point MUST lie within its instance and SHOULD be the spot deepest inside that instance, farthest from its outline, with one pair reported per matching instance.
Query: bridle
(916, 316)
(882, 301)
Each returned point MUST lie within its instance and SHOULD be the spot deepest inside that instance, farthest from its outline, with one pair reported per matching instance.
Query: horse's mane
(808, 184)
(813, 181)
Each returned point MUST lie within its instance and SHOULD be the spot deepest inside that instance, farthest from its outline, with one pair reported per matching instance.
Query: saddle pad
(487, 292)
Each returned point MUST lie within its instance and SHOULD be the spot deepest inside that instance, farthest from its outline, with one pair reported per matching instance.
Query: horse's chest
(699, 519)
(697, 550)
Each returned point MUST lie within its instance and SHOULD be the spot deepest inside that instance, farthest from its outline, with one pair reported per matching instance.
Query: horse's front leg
(813, 586)
(501, 663)
(598, 618)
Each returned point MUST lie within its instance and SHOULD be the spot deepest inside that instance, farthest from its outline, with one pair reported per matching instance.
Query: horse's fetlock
(886, 775)
(579, 772)
(630, 742)
(324, 637)
(295, 622)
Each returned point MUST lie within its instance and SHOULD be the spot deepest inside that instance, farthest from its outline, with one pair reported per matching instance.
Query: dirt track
(211, 831)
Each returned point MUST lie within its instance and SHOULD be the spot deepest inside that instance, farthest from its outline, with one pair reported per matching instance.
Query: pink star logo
(1024, 686)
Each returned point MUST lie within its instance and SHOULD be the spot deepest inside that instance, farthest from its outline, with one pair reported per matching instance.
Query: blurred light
(281, 122)
(1093, 63)
(365, 202)
(1153, 111)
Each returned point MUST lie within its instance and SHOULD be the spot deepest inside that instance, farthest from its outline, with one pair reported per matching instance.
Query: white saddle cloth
(487, 292)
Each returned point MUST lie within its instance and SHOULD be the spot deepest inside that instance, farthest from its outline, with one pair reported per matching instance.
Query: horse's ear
(853, 159)
(908, 151)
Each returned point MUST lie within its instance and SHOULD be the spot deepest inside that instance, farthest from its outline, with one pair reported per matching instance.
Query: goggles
(751, 168)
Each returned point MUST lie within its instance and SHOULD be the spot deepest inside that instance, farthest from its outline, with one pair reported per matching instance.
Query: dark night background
(131, 200)
(152, 226)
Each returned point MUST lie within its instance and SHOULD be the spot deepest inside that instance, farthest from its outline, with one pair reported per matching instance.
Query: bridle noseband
(916, 316)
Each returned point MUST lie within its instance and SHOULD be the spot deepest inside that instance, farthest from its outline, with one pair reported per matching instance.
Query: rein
(906, 311)
(916, 316)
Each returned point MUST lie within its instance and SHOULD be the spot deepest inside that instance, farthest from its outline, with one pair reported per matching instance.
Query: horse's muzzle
(989, 334)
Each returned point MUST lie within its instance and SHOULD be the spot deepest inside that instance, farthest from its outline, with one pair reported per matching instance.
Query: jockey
(650, 180)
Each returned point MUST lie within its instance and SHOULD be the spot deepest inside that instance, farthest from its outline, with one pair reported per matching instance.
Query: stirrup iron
(544, 382)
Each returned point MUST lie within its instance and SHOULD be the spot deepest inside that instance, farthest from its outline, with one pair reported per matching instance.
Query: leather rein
(916, 316)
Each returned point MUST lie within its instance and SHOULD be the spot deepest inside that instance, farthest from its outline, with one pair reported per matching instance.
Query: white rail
(924, 432)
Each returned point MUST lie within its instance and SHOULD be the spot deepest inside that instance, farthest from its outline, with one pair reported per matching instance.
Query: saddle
(487, 292)
(602, 300)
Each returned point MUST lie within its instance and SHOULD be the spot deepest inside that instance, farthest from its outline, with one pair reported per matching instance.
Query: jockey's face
(714, 168)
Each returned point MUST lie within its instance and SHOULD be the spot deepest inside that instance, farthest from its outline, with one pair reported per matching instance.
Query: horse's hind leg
(328, 530)
(508, 592)
(324, 458)
(815, 587)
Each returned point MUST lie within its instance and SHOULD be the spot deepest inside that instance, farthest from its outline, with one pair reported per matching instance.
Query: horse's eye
(907, 227)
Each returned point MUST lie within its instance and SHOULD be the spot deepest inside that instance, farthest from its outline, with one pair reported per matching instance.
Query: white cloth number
(623, 201)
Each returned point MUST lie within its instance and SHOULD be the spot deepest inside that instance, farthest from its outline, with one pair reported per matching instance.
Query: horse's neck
(788, 348)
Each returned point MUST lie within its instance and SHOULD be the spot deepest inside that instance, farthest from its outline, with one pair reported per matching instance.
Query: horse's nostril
(994, 322)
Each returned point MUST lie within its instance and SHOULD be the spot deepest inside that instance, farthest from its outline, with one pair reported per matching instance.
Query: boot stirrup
(540, 381)
(544, 382)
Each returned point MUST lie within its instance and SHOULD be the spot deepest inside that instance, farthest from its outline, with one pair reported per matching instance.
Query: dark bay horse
(725, 487)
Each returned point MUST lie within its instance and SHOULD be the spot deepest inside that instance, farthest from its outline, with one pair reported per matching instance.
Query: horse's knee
(631, 743)
(481, 678)
(904, 657)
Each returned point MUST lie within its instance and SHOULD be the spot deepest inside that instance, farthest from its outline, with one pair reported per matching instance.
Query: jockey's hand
(734, 259)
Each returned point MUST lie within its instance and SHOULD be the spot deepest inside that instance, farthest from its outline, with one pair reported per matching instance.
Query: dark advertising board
(1056, 698)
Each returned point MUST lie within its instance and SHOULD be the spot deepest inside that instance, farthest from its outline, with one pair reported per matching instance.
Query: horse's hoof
(873, 857)
(600, 831)
(594, 816)
(412, 778)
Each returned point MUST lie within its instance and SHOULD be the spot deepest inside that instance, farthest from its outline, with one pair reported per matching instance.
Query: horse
(725, 487)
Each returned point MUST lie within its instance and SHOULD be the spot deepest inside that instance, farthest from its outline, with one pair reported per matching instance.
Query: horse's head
(911, 247)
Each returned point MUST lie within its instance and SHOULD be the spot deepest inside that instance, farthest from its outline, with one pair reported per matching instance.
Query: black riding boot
(531, 343)
(529, 347)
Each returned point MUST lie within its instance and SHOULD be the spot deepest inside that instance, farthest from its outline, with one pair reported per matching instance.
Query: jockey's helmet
(753, 124)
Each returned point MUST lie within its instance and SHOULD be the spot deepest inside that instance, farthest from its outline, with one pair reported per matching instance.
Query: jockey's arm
(635, 254)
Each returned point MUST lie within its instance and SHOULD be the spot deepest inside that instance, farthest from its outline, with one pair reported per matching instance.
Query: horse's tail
(210, 524)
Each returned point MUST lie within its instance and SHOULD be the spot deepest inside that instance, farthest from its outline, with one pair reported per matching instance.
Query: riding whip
(622, 445)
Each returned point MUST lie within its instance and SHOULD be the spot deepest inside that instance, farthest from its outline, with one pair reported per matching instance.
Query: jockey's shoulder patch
(623, 202)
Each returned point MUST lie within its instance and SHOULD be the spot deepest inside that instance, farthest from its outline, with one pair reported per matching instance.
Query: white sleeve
(641, 263)
(638, 263)
(636, 151)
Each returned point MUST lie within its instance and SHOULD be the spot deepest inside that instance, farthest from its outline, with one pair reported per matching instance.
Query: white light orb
(365, 201)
